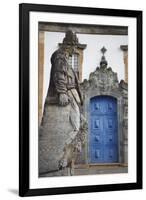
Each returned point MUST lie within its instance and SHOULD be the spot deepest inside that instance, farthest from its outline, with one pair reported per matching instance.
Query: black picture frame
(24, 105)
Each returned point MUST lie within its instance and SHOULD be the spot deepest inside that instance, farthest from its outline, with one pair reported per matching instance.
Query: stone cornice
(84, 28)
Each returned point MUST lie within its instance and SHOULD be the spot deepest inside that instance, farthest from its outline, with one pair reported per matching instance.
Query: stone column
(40, 73)
(124, 142)
(124, 48)
(125, 131)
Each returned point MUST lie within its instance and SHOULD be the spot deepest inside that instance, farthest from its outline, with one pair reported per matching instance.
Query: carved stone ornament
(104, 81)
(102, 78)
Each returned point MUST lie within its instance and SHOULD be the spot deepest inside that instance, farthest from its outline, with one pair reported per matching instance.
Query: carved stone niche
(104, 81)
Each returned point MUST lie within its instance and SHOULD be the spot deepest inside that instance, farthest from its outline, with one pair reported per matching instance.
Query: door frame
(89, 133)
(120, 117)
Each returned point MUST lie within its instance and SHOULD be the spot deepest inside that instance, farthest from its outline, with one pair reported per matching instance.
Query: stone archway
(103, 81)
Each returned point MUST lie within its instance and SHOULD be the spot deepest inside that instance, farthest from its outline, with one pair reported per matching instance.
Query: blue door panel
(111, 153)
(103, 140)
(97, 154)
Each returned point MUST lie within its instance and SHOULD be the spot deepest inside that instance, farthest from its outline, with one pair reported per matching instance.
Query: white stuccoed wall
(92, 53)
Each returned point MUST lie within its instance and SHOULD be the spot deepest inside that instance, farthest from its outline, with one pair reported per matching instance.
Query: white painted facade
(92, 54)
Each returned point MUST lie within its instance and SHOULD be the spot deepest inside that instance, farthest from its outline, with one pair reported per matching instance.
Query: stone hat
(70, 38)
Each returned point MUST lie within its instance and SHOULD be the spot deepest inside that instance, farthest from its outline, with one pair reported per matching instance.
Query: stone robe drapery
(60, 124)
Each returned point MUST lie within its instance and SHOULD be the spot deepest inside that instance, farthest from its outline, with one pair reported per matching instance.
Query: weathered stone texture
(60, 125)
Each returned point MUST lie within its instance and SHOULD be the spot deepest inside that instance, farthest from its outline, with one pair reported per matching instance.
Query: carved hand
(63, 100)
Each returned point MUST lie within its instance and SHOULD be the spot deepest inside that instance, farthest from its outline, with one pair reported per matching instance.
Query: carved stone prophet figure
(61, 117)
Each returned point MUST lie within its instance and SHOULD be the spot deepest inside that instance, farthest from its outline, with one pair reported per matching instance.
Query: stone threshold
(99, 165)
(88, 169)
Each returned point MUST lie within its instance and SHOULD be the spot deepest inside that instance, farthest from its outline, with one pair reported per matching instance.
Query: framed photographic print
(80, 99)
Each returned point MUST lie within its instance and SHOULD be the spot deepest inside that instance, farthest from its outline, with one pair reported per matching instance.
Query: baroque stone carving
(102, 78)
(104, 81)
(60, 132)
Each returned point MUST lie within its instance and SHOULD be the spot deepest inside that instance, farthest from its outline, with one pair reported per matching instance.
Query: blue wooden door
(103, 139)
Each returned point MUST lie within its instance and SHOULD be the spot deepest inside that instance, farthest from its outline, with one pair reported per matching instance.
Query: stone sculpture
(60, 126)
